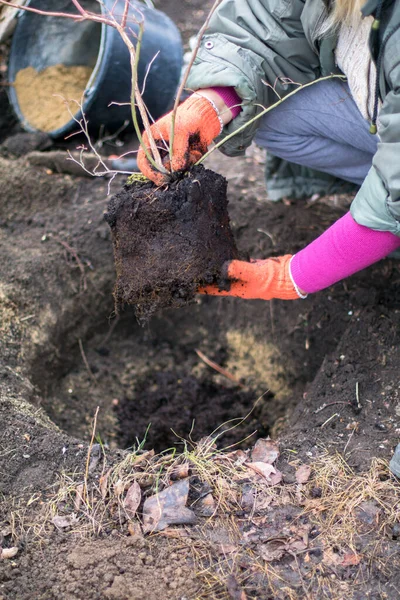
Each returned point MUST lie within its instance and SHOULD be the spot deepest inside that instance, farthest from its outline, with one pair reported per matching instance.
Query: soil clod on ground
(169, 241)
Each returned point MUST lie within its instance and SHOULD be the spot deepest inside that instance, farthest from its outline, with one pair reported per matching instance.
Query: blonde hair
(343, 11)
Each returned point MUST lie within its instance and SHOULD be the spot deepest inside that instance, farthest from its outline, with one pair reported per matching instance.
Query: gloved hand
(258, 279)
(196, 125)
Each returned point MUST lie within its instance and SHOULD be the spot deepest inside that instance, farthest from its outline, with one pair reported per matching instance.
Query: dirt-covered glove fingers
(262, 279)
(148, 170)
(196, 126)
(160, 131)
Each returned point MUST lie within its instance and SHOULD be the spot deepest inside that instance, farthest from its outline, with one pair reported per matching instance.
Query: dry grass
(218, 544)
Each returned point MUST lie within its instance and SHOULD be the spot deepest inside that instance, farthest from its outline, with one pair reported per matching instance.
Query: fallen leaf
(132, 499)
(206, 506)
(78, 497)
(227, 549)
(8, 552)
(119, 487)
(168, 508)
(63, 522)
(303, 474)
(238, 456)
(273, 550)
(180, 471)
(297, 546)
(331, 558)
(270, 474)
(350, 559)
(95, 456)
(142, 457)
(265, 451)
(134, 529)
(103, 483)
(368, 512)
(174, 533)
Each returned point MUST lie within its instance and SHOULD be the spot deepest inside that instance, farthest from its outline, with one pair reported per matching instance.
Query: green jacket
(251, 43)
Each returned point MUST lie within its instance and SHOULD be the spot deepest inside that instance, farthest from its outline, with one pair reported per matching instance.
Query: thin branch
(186, 75)
(264, 112)
(84, 494)
(148, 71)
(85, 361)
(217, 367)
(79, 7)
(125, 14)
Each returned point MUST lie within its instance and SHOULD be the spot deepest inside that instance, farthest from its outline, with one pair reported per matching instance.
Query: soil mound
(168, 242)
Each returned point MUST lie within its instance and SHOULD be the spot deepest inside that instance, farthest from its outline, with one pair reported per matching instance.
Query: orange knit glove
(196, 125)
(262, 279)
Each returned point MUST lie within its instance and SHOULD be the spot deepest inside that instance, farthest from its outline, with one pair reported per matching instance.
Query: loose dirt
(169, 242)
(39, 94)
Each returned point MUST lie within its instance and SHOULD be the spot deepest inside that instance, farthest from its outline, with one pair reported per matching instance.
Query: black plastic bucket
(41, 42)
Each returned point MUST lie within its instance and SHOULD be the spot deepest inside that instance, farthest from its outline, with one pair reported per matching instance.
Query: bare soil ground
(319, 520)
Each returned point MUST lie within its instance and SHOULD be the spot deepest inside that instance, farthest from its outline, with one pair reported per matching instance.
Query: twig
(186, 75)
(264, 112)
(89, 370)
(84, 491)
(325, 405)
(330, 419)
(75, 255)
(217, 367)
(358, 405)
(348, 441)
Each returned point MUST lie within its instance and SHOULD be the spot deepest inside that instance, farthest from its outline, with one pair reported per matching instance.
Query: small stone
(396, 531)
(316, 492)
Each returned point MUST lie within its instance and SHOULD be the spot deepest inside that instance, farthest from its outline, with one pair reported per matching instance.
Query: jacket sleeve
(250, 45)
(377, 204)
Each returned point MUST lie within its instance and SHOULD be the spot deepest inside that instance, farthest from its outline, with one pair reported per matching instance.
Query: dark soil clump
(190, 407)
(168, 242)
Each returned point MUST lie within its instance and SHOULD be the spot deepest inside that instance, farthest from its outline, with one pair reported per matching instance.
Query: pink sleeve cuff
(343, 249)
(231, 99)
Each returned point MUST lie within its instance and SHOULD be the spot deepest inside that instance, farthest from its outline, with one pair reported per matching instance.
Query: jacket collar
(369, 8)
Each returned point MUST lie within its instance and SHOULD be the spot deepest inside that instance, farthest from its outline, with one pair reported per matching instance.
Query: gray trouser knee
(322, 128)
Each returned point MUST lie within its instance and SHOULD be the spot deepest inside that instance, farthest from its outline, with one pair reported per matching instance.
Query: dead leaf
(119, 487)
(368, 512)
(273, 550)
(103, 483)
(174, 533)
(303, 474)
(331, 558)
(168, 508)
(297, 546)
(270, 474)
(180, 471)
(350, 559)
(265, 451)
(206, 506)
(64, 522)
(134, 529)
(227, 549)
(79, 497)
(95, 455)
(238, 457)
(8, 552)
(142, 457)
(132, 499)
